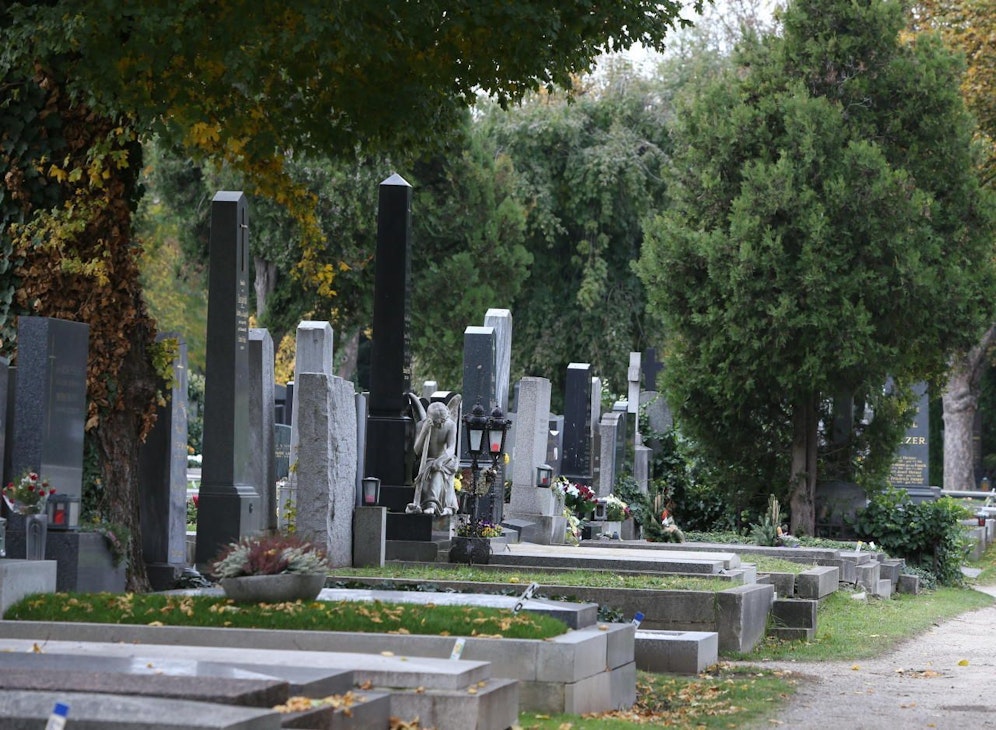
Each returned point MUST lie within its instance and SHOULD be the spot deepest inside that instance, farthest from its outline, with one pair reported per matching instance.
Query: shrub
(928, 535)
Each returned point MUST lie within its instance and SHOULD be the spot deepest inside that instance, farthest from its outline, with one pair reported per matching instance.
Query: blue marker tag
(637, 619)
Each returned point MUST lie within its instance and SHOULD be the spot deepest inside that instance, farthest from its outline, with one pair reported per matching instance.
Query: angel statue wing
(454, 406)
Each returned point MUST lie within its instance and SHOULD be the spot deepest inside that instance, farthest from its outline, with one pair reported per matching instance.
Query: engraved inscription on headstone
(910, 469)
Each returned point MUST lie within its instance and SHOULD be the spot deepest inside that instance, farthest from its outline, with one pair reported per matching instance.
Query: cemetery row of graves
(335, 467)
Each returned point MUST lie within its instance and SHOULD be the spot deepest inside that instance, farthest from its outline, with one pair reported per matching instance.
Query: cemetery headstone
(390, 428)
(262, 468)
(501, 321)
(479, 387)
(910, 469)
(536, 507)
(612, 431)
(162, 466)
(50, 402)
(327, 462)
(229, 506)
(576, 463)
(312, 354)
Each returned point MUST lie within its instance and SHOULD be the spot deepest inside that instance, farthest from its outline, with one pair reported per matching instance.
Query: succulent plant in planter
(274, 567)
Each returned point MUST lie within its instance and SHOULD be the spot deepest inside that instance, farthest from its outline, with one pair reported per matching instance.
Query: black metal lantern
(544, 475)
(497, 430)
(476, 424)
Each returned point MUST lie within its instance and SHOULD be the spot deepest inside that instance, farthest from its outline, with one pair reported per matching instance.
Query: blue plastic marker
(637, 619)
(57, 720)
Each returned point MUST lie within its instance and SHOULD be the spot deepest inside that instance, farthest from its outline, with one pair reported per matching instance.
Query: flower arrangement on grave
(616, 510)
(28, 495)
(572, 531)
(480, 528)
(579, 498)
(272, 554)
(116, 537)
(669, 530)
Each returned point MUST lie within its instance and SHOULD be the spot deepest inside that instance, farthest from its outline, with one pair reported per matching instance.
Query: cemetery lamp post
(497, 430)
(476, 424)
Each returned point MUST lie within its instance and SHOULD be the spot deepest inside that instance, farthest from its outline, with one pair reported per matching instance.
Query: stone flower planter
(274, 588)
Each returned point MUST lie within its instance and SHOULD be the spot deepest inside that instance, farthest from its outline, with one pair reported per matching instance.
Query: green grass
(723, 697)
(851, 629)
(515, 581)
(357, 616)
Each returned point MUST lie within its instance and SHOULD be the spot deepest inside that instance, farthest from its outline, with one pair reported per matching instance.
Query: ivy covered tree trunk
(960, 402)
(77, 260)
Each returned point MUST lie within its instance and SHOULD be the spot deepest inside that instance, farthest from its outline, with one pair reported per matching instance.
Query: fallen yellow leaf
(855, 667)
(963, 663)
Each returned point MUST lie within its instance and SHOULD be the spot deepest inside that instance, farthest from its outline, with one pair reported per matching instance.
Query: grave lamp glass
(497, 430)
(63, 512)
(371, 491)
(544, 475)
(476, 424)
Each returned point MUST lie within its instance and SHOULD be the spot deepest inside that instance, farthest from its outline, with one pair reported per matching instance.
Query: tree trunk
(802, 500)
(119, 437)
(960, 401)
(264, 284)
(350, 350)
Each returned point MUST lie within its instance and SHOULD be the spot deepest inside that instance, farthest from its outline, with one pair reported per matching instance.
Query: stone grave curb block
(570, 657)
(908, 583)
(108, 712)
(784, 583)
(622, 686)
(493, 705)
(817, 583)
(369, 710)
(676, 652)
(742, 616)
(884, 589)
(794, 613)
(729, 558)
(20, 578)
(867, 575)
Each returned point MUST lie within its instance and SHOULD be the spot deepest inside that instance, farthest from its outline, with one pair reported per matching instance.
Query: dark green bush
(928, 535)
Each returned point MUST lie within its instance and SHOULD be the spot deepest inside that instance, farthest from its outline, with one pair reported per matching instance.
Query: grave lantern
(371, 491)
(63, 512)
(497, 430)
(544, 475)
(476, 424)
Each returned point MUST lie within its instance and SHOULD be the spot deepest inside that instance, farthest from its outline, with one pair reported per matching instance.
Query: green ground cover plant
(156, 609)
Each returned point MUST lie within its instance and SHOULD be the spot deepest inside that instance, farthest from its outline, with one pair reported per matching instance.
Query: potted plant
(472, 543)
(271, 568)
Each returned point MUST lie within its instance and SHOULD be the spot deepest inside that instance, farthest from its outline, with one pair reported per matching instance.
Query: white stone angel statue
(435, 447)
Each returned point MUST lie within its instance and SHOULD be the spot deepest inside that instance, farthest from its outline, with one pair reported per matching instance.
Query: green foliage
(768, 532)
(587, 173)
(926, 534)
(817, 215)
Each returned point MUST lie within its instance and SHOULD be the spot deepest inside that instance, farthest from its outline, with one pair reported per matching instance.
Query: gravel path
(944, 679)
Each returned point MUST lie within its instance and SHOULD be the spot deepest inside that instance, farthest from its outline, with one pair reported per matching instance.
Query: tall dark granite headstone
(390, 430)
(229, 506)
(162, 479)
(50, 402)
(480, 386)
(576, 463)
(911, 467)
